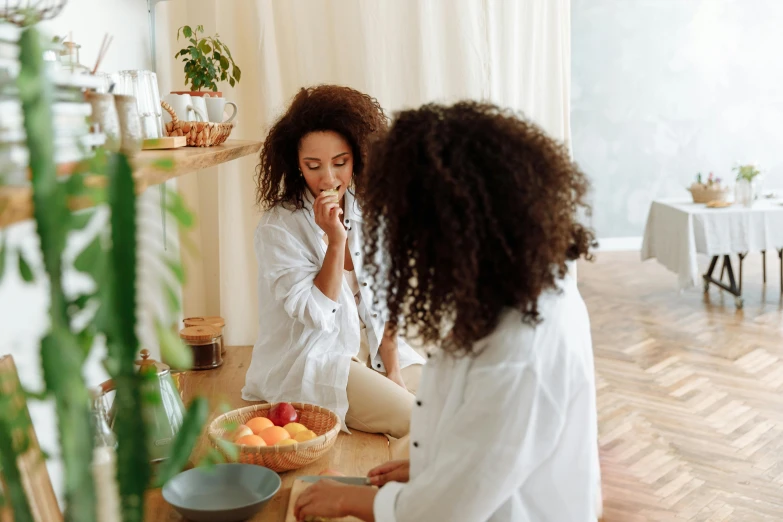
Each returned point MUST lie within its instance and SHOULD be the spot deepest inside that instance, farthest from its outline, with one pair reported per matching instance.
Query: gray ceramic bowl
(224, 493)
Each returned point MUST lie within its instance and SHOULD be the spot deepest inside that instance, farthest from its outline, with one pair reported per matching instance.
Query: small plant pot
(216, 94)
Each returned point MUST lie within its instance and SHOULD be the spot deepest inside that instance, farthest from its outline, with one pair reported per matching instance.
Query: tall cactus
(63, 350)
(62, 356)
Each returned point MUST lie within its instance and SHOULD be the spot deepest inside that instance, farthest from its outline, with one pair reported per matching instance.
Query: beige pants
(375, 403)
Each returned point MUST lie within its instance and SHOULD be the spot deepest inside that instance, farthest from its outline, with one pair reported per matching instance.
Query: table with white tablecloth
(676, 232)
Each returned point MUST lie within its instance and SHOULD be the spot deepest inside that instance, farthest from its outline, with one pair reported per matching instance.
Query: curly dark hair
(476, 209)
(354, 115)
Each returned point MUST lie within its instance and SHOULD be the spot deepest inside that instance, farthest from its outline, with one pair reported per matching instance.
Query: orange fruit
(286, 442)
(294, 427)
(250, 440)
(304, 436)
(274, 435)
(259, 424)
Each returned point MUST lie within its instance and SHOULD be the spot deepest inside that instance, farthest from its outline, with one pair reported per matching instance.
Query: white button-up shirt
(306, 340)
(511, 434)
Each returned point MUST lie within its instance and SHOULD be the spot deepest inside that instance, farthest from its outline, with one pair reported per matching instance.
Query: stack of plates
(73, 139)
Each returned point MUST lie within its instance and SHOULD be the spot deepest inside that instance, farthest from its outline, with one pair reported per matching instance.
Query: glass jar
(130, 124)
(104, 113)
(213, 320)
(205, 343)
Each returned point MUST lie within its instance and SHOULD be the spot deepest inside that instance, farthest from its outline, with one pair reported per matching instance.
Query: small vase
(745, 192)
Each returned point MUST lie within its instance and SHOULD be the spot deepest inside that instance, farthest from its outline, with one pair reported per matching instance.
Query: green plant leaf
(200, 28)
(173, 350)
(185, 441)
(172, 299)
(224, 63)
(81, 219)
(178, 210)
(81, 301)
(204, 47)
(85, 339)
(91, 260)
(2, 256)
(176, 269)
(24, 269)
(237, 73)
(232, 82)
(9, 450)
(187, 31)
(223, 76)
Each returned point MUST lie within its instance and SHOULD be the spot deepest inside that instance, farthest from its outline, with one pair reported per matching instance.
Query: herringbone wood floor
(690, 393)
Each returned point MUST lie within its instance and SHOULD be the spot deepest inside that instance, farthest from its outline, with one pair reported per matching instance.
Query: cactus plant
(111, 260)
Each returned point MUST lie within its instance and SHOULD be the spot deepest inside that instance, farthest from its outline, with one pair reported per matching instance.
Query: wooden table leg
(780, 255)
(741, 259)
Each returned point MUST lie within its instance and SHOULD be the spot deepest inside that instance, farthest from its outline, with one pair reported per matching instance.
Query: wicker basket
(198, 133)
(705, 195)
(281, 458)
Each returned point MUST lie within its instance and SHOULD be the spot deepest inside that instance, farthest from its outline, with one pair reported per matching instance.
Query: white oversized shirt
(306, 340)
(511, 434)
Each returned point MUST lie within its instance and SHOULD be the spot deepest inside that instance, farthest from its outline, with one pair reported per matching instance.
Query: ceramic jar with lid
(213, 320)
(205, 343)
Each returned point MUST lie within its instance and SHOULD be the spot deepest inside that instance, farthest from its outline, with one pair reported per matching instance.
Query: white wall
(663, 89)
(23, 307)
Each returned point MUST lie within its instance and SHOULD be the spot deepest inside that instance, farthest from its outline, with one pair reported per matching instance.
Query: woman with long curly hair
(321, 339)
(476, 210)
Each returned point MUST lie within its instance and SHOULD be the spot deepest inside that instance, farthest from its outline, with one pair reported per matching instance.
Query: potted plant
(207, 61)
(747, 179)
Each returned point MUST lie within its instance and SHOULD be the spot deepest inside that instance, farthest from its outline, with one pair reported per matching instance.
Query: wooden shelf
(16, 202)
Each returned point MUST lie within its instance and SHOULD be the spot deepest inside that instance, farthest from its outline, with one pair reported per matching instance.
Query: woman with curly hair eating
(476, 210)
(321, 338)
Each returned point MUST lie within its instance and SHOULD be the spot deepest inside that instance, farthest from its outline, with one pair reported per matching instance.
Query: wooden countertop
(16, 201)
(352, 454)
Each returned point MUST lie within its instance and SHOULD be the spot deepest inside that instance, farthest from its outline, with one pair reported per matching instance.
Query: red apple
(282, 414)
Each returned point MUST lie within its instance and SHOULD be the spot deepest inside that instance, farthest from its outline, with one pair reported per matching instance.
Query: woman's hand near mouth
(327, 216)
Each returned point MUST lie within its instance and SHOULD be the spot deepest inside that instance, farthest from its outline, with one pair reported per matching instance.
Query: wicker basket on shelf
(280, 458)
(704, 194)
(198, 133)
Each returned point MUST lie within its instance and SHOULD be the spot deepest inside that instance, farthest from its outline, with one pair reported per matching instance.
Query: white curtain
(515, 53)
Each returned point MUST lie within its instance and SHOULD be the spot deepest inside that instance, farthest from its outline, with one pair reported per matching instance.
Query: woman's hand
(332, 499)
(392, 471)
(327, 216)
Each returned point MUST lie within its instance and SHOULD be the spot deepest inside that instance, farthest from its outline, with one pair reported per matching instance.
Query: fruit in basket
(282, 414)
(237, 433)
(274, 435)
(286, 442)
(294, 427)
(304, 436)
(259, 424)
(251, 440)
